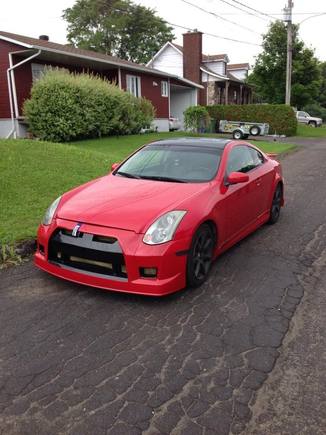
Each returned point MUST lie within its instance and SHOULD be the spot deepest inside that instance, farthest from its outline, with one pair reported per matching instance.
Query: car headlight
(163, 229)
(50, 212)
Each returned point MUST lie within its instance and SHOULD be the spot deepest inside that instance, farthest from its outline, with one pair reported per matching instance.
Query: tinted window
(257, 157)
(243, 159)
(181, 162)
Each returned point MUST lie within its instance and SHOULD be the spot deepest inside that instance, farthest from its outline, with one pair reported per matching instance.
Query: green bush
(316, 110)
(280, 117)
(196, 118)
(66, 106)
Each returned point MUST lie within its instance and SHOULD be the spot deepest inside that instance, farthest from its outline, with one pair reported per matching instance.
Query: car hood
(313, 118)
(125, 203)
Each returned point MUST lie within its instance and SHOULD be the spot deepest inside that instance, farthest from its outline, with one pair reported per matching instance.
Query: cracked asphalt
(75, 360)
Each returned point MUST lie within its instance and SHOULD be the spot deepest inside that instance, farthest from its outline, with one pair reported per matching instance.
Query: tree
(117, 27)
(269, 72)
(322, 92)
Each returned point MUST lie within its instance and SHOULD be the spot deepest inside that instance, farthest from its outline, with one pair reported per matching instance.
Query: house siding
(5, 49)
(169, 61)
(240, 74)
(24, 79)
(218, 67)
(150, 91)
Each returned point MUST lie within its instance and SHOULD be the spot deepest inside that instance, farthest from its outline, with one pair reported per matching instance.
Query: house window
(133, 85)
(164, 89)
(37, 71)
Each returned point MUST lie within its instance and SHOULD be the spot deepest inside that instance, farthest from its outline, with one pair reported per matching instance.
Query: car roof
(194, 141)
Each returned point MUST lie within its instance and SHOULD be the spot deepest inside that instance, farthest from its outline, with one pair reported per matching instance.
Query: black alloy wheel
(276, 205)
(200, 256)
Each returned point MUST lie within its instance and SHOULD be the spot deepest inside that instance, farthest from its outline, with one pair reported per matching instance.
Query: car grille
(88, 253)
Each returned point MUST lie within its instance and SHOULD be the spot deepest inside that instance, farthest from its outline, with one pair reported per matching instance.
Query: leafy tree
(322, 91)
(269, 72)
(117, 27)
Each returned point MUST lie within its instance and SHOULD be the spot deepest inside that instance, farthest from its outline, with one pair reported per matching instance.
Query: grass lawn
(33, 174)
(306, 131)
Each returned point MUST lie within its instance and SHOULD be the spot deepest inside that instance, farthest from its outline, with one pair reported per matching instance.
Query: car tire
(275, 209)
(312, 124)
(255, 130)
(237, 134)
(200, 256)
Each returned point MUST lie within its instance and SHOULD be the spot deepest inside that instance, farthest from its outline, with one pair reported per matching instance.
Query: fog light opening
(148, 272)
(41, 249)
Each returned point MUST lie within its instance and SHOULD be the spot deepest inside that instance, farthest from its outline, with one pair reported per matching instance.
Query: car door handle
(258, 182)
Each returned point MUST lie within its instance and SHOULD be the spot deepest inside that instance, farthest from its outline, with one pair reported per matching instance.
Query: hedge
(280, 117)
(65, 106)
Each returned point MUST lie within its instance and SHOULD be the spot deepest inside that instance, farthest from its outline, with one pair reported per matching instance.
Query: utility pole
(288, 20)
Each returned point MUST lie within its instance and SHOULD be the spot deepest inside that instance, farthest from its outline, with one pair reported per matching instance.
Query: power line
(214, 35)
(240, 9)
(313, 16)
(252, 9)
(218, 16)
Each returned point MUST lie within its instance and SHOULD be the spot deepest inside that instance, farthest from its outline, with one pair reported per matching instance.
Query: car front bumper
(169, 259)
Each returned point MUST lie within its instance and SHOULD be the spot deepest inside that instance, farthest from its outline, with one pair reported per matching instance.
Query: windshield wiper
(161, 178)
(127, 175)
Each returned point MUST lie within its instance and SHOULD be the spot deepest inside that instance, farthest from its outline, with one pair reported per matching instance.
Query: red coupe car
(155, 224)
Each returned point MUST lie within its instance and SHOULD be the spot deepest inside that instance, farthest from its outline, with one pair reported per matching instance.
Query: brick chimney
(192, 56)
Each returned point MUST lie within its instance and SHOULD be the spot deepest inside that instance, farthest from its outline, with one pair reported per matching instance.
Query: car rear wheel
(276, 205)
(200, 256)
(237, 134)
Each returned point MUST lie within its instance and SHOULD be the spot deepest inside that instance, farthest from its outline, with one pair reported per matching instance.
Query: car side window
(243, 159)
(257, 157)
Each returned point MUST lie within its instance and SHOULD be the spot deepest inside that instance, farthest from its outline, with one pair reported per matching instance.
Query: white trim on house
(213, 74)
(5, 38)
(167, 44)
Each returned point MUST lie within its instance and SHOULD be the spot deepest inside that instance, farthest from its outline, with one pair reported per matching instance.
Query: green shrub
(280, 117)
(316, 110)
(66, 106)
(196, 118)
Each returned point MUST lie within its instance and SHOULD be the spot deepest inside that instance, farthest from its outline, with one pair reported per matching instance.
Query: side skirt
(244, 233)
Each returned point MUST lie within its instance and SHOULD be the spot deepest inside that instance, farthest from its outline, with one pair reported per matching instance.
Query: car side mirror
(236, 178)
(114, 166)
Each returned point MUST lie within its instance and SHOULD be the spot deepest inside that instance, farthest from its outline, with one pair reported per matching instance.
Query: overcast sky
(35, 17)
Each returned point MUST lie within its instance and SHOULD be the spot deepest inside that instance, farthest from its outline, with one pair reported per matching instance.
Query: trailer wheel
(237, 134)
(255, 130)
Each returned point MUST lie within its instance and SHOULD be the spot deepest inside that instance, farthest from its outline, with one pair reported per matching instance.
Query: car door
(241, 200)
(264, 177)
(302, 117)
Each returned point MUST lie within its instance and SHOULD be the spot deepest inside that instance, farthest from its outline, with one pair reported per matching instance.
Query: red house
(23, 59)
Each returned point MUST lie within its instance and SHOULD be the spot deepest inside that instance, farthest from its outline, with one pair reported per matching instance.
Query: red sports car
(157, 221)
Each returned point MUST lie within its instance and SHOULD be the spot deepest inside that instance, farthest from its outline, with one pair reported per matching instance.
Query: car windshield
(173, 163)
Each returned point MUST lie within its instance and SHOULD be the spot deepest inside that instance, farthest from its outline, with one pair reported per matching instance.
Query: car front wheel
(200, 256)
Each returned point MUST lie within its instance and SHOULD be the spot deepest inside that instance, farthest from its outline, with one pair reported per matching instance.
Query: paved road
(74, 360)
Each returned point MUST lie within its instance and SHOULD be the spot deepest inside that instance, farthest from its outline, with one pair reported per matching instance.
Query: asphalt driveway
(75, 360)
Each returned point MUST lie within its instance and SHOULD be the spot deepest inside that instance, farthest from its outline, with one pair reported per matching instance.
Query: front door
(243, 200)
